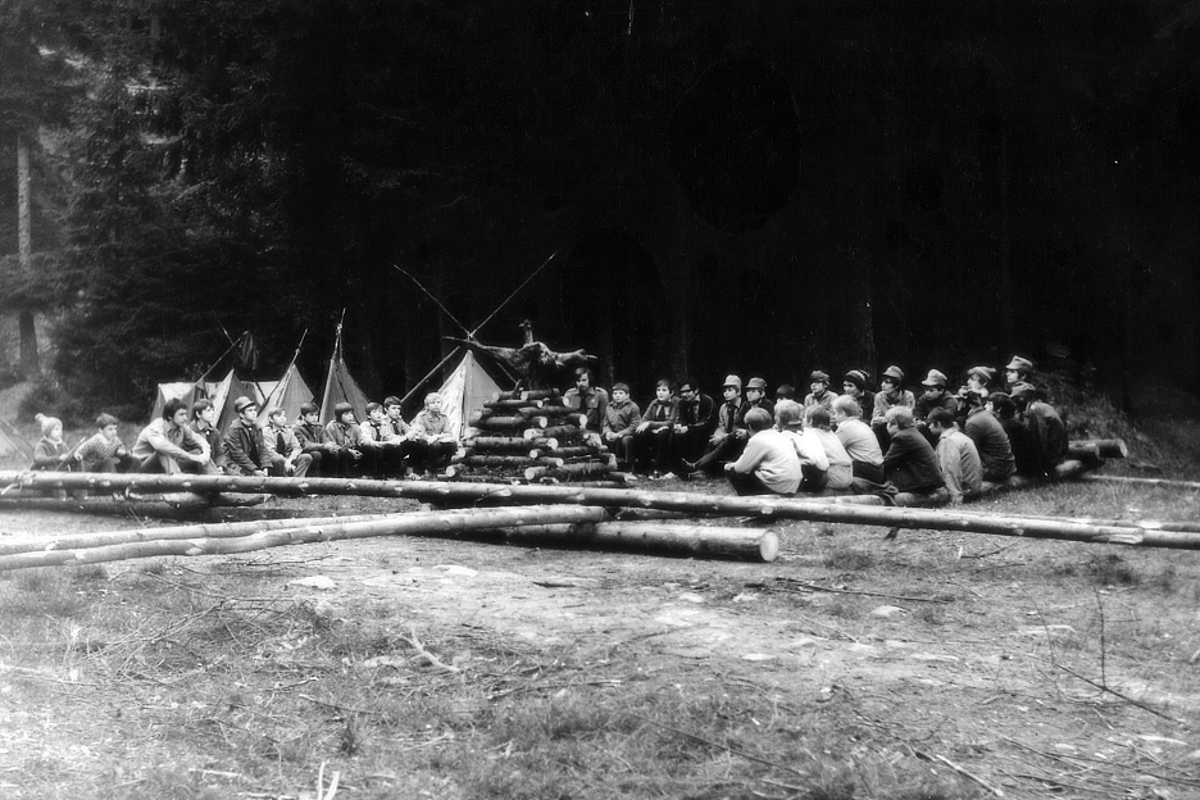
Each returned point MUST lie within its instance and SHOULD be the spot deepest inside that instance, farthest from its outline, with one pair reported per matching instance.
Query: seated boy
(168, 445)
(769, 464)
(814, 464)
(621, 418)
(204, 423)
(285, 455)
(244, 441)
(841, 467)
(429, 436)
(104, 451)
(992, 442)
(957, 457)
(652, 437)
(697, 418)
(819, 395)
(910, 463)
(383, 452)
(328, 459)
(1047, 430)
(861, 443)
(343, 431)
(723, 445)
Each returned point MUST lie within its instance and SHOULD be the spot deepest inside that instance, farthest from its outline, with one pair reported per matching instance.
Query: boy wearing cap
(1047, 430)
(696, 421)
(855, 385)
(866, 458)
(819, 395)
(769, 464)
(981, 381)
(723, 445)
(244, 441)
(756, 397)
(891, 394)
(168, 445)
(621, 418)
(934, 396)
(1018, 370)
(957, 457)
(910, 462)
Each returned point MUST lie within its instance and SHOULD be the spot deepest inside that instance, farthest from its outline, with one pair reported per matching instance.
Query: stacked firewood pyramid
(531, 435)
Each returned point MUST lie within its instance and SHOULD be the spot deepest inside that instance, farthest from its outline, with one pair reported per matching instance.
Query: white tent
(289, 393)
(466, 390)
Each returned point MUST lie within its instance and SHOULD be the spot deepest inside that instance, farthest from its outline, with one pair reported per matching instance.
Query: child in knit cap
(51, 452)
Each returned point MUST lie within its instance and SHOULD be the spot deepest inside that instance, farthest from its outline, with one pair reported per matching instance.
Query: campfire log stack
(530, 435)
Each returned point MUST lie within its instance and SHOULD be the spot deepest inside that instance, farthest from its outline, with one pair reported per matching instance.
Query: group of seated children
(937, 442)
(188, 440)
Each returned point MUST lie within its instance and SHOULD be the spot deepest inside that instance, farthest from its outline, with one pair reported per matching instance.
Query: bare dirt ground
(1022, 667)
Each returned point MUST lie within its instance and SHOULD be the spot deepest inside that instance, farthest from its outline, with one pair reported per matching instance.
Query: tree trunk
(685, 540)
(416, 524)
(29, 362)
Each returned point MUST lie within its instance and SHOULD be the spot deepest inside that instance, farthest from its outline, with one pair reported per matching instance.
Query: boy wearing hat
(168, 445)
(855, 384)
(891, 394)
(957, 457)
(934, 396)
(244, 441)
(769, 464)
(819, 395)
(723, 444)
(621, 418)
(981, 381)
(756, 397)
(1018, 370)
(51, 453)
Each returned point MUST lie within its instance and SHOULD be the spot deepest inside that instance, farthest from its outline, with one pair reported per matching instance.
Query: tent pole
(425, 380)
(507, 300)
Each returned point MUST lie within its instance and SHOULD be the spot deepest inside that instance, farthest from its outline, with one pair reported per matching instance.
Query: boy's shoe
(688, 466)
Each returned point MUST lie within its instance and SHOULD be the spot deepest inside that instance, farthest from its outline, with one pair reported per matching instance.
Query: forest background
(762, 187)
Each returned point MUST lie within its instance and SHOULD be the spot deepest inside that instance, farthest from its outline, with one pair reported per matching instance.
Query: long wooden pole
(413, 524)
(755, 544)
(1163, 482)
(498, 494)
(219, 530)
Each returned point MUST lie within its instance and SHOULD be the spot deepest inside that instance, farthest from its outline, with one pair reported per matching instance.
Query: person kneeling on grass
(769, 464)
(104, 451)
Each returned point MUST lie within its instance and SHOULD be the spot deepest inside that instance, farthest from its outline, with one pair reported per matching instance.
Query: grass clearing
(454, 669)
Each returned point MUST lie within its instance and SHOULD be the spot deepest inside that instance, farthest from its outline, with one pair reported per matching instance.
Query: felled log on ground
(218, 530)
(1165, 483)
(550, 412)
(494, 494)
(412, 524)
(700, 541)
(571, 451)
(1097, 448)
(513, 462)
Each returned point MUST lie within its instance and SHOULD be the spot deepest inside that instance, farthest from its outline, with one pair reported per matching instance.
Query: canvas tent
(289, 393)
(13, 444)
(187, 391)
(466, 390)
(340, 386)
